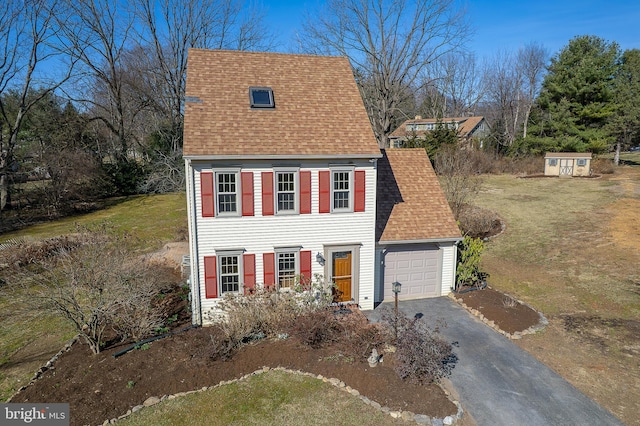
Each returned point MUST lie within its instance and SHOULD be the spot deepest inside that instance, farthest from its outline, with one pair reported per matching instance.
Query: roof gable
(410, 204)
(318, 108)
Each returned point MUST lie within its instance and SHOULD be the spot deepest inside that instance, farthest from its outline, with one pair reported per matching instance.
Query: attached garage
(417, 268)
(416, 234)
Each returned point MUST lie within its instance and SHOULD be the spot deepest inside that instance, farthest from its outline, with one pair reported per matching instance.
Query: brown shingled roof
(466, 125)
(318, 107)
(411, 205)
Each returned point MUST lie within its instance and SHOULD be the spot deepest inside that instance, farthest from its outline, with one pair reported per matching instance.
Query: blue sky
(508, 25)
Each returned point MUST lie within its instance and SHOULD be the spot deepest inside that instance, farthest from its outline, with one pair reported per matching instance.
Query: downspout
(193, 246)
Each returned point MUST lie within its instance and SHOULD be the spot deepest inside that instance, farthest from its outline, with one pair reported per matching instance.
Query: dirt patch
(605, 333)
(99, 387)
(509, 314)
(624, 225)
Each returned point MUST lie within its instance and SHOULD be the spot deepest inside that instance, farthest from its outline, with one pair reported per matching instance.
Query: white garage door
(416, 268)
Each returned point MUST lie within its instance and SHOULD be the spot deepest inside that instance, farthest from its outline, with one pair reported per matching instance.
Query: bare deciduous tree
(459, 180)
(98, 35)
(532, 60)
(389, 44)
(513, 83)
(99, 285)
(456, 78)
(29, 34)
(167, 30)
(505, 94)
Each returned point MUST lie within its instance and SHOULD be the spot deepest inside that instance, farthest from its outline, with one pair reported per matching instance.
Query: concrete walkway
(497, 382)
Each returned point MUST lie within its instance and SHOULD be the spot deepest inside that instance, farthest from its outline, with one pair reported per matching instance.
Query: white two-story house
(282, 177)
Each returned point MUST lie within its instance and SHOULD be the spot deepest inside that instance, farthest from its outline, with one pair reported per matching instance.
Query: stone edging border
(48, 365)
(420, 419)
(515, 336)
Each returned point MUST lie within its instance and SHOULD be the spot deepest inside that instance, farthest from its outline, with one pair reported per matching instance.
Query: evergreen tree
(577, 97)
(432, 141)
(625, 124)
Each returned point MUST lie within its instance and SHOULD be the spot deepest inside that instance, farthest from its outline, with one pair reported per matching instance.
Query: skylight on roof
(261, 97)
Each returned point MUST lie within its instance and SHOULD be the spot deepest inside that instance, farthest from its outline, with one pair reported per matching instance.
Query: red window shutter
(267, 193)
(325, 191)
(249, 268)
(210, 277)
(269, 261)
(305, 266)
(206, 194)
(305, 192)
(246, 180)
(359, 191)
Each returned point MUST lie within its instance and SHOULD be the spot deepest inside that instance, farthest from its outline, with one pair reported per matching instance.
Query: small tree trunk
(616, 156)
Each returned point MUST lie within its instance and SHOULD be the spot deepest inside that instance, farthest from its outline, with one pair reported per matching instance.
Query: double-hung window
(341, 190)
(286, 268)
(227, 189)
(229, 273)
(286, 184)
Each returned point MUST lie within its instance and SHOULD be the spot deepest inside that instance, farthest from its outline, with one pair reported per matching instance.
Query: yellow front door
(341, 266)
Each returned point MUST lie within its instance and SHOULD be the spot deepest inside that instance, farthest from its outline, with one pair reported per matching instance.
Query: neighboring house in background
(272, 197)
(468, 128)
(567, 164)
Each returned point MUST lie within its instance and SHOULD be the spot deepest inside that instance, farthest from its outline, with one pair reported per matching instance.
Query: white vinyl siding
(449, 261)
(311, 232)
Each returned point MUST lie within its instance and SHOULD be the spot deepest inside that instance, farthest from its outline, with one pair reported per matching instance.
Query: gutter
(422, 241)
(282, 157)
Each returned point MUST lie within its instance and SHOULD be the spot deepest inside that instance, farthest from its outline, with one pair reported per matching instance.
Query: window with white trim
(229, 273)
(227, 188)
(581, 162)
(286, 192)
(553, 162)
(341, 190)
(286, 268)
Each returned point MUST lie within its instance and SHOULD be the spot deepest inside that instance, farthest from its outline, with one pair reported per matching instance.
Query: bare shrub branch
(98, 286)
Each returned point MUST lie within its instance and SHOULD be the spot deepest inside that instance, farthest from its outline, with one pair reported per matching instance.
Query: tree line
(91, 91)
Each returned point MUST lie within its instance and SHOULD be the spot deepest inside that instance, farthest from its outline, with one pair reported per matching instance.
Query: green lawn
(152, 218)
(274, 398)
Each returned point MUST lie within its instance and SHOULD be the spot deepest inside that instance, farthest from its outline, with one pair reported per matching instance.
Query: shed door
(416, 268)
(566, 167)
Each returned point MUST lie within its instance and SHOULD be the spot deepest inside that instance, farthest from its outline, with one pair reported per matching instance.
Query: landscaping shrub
(468, 270)
(361, 337)
(602, 166)
(422, 356)
(267, 312)
(478, 222)
(97, 285)
(318, 328)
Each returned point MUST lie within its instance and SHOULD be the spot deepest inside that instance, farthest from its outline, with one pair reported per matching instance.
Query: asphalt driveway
(497, 382)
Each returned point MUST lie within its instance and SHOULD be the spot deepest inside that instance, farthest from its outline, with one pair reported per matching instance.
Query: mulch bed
(510, 315)
(100, 387)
